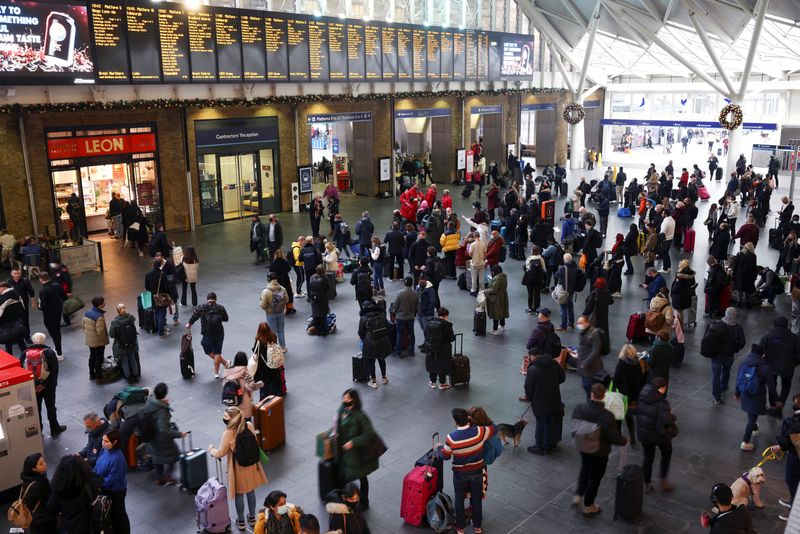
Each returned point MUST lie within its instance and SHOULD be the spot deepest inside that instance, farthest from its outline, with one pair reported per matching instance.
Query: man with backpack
(404, 308)
(126, 343)
(595, 430)
(427, 303)
(543, 338)
(721, 341)
(274, 299)
(434, 270)
(752, 383)
(567, 278)
(42, 362)
(439, 337)
(311, 257)
(373, 330)
(361, 279)
(211, 316)
(157, 430)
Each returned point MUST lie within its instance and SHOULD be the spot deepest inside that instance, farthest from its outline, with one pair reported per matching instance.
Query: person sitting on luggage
(345, 510)
(278, 516)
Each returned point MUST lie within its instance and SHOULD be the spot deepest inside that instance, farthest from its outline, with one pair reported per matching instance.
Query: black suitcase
(563, 188)
(462, 281)
(193, 467)
(326, 478)
(630, 488)
(775, 239)
(430, 458)
(186, 357)
(360, 369)
(461, 369)
(467, 191)
(479, 323)
(147, 319)
(678, 352)
(331, 276)
(718, 174)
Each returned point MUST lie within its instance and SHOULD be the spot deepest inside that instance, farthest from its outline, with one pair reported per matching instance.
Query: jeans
(586, 384)
(48, 395)
(402, 327)
(96, 361)
(783, 393)
(542, 437)
(129, 364)
(752, 424)
(450, 261)
(299, 275)
(649, 450)
(251, 504)
(423, 321)
(592, 470)
(160, 315)
(603, 225)
(377, 275)
(53, 326)
(667, 261)
(567, 313)
(193, 286)
(276, 323)
(381, 364)
(472, 482)
(720, 375)
(477, 278)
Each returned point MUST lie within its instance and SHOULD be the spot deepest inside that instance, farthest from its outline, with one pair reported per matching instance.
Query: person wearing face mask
(35, 493)
(345, 511)
(112, 468)
(353, 432)
(589, 361)
(278, 517)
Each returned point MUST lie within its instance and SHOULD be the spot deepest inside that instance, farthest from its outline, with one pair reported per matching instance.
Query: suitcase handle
(183, 442)
(455, 342)
(434, 436)
(218, 463)
(265, 400)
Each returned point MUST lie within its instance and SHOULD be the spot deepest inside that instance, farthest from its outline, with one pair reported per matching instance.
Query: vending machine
(20, 434)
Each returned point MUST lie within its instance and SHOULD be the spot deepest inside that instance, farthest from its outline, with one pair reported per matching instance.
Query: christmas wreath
(574, 113)
(731, 116)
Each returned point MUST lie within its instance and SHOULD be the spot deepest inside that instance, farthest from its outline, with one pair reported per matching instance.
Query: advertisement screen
(45, 43)
(517, 57)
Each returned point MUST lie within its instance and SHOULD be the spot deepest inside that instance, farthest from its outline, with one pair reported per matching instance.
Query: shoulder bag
(372, 450)
(252, 363)
(162, 300)
(18, 513)
(560, 293)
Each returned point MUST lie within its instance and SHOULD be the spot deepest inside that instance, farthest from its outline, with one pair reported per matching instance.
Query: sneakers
(284, 350)
(747, 446)
(617, 295)
(664, 271)
(299, 294)
(716, 401)
(372, 384)
(432, 385)
(444, 386)
(495, 332)
(523, 398)
(385, 380)
(501, 328)
(755, 431)
(241, 525)
(60, 357)
(786, 503)
(783, 517)
(591, 511)
(767, 305)
(216, 376)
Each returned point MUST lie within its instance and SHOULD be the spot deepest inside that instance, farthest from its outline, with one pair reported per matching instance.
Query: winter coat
(450, 240)
(719, 248)
(282, 269)
(629, 378)
(113, 469)
(240, 374)
(745, 272)
(51, 300)
(73, 506)
(117, 324)
(94, 327)
(345, 517)
(630, 246)
(782, 349)
(653, 415)
(566, 275)
(737, 520)
(682, 289)
(318, 293)
(497, 297)
(364, 231)
(663, 306)
(756, 404)
(595, 412)
(439, 359)
(373, 348)
(293, 516)
(427, 300)
(395, 242)
(355, 427)
(649, 249)
(405, 305)
(273, 288)
(163, 448)
(240, 479)
(590, 362)
(331, 260)
(789, 426)
(661, 354)
(418, 252)
(542, 386)
(596, 309)
(43, 521)
(654, 285)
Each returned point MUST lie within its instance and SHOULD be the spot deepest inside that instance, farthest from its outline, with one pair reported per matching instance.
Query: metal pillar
(751, 54)
(701, 32)
(795, 149)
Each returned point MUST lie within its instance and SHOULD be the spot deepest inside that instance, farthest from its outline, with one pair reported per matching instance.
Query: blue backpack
(492, 449)
(747, 381)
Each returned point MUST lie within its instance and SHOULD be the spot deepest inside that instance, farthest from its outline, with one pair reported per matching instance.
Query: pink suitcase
(419, 485)
(703, 193)
(211, 505)
(688, 240)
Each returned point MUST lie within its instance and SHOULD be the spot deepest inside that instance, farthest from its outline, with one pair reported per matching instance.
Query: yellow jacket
(297, 254)
(294, 517)
(450, 242)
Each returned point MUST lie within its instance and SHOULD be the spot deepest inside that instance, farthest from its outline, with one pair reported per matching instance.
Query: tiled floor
(527, 494)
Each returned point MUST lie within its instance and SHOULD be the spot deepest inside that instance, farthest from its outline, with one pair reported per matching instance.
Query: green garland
(260, 101)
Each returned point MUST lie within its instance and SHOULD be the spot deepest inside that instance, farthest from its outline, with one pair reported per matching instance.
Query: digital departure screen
(434, 55)
(229, 50)
(276, 41)
(419, 56)
(459, 56)
(373, 52)
(319, 70)
(337, 51)
(471, 46)
(356, 51)
(483, 55)
(202, 46)
(110, 41)
(446, 55)
(173, 34)
(389, 53)
(143, 47)
(405, 53)
(254, 58)
(297, 38)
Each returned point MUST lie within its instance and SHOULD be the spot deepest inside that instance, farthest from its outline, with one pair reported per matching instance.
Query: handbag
(325, 445)
(372, 450)
(162, 300)
(560, 294)
(252, 363)
(18, 513)
(672, 430)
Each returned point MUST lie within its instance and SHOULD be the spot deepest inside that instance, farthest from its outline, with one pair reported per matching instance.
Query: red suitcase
(703, 193)
(636, 330)
(724, 299)
(419, 485)
(461, 256)
(688, 240)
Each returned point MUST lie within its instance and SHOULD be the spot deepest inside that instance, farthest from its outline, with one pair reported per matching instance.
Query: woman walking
(112, 468)
(35, 493)
(354, 432)
(629, 380)
(656, 426)
(281, 268)
(238, 372)
(245, 473)
(272, 378)
(497, 299)
(631, 247)
(191, 264)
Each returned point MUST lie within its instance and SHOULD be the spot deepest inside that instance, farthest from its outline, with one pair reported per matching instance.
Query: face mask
(796, 408)
(225, 422)
(283, 509)
(347, 405)
(581, 327)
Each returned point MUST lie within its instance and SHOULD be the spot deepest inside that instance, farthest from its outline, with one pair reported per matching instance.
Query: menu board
(471, 46)
(405, 53)
(372, 52)
(459, 56)
(143, 50)
(277, 46)
(318, 45)
(337, 51)
(356, 45)
(389, 53)
(483, 55)
(297, 39)
(229, 51)
(445, 55)
(173, 35)
(109, 40)
(434, 55)
(202, 47)
(254, 59)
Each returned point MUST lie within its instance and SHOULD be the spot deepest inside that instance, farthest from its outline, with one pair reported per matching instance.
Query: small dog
(748, 486)
(514, 431)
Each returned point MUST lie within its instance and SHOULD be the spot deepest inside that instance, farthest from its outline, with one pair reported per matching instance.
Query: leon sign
(100, 145)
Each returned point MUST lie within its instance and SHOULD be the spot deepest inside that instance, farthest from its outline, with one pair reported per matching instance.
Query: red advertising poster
(144, 193)
(100, 145)
(470, 166)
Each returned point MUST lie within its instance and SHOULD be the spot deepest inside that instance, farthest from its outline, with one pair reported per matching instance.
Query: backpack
(36, 363)
(213, 321)
(19, 514)
(275, 357)
(713, 340)
(440, 512)
(551, 345)
(363, 283)
(580, 281)
(503, 254)
(132, 395)
(439, 269)
(246, 452)
(278, 305)
(309, 257)
(232, 393)
(586, 435)
(597, 240)
(747, 380)
(343, 228)
(126, 335)
(377, 327)
(654, 319)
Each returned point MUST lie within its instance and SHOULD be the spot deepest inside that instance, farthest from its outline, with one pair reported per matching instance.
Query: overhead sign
(340, 117)
(486, 110)
(589, 104)
(685, 124)
(211, 133)
(100, 145)
(417, 113)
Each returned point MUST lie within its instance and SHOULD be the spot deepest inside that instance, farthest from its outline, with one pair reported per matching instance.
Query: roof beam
(593, 24)
(551, 13)
(650, 6)
(668, 11)
(701, 32)
(707, 20)
(751, 54)
(575, 12)
(560, 64)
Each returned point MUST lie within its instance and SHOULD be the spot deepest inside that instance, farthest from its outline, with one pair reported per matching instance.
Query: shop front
(95, 164)
(425, 135)
(238, 167)
(341, 149)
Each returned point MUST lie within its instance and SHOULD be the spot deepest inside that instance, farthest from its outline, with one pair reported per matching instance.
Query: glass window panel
(620, 102)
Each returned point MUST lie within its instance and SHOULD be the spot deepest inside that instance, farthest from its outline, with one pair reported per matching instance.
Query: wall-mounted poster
(304, 177)
(385, 169)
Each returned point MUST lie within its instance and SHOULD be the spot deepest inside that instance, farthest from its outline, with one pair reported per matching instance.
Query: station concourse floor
(526, 493)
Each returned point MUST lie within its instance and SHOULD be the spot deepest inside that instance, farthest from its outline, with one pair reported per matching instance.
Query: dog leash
(769, 455)
(523, 413)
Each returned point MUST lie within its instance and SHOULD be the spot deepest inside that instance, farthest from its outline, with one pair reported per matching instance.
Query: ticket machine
(20, 434)
(7, 360)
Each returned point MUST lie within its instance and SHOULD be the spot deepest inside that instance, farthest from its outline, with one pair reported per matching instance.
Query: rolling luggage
(193, 467)
(130, 451)
(360, 369)
(776, 237)
(688, 240)
(432, 459)
(147, 316)
(479, 323)
(563, 188)
(186, 357)
(330, 324)
(419, 485)
(269, 421)
(703, 193)
(630, 489)
(331, 276)
(467, 191)
(636, 330)
(718, 174)
(678, 352)
(461, 369)
(465, 281)
(326, 478)
(211, 505)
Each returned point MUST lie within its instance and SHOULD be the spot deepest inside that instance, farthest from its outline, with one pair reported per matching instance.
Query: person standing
(629, 378)
(789, 426)
(377, 254)
(163, 448)
(74, 490)
(439, 350)
(597, 304)
(405, 308)
(273, 379)
(344, 507)
(311, 258)
(427, 303)
(589, 360)
(274, 235)
(353, 432)
(245, 473)
(593, 464)
(668, 229)
(395, 242)
(42, 361)
(361, 280)
(113, 469)
(497, 299)
(191, 264)
(24, 289)
(296, 261)
(12, 322)
(683, 289)
(534, 279)
(566, 276)
(318, 296)
(51, 302)
(126, 343)
(476, 251)
(782, 349)
(211, 316)
(450, 241)
(364, 231)
(465, 447)
(257, 238)
(280, 268)
(728, 335)
(35, 492)
(96, 337)
(315, 214)
(418, 254)
(155, 282)
(373, 331)
(655, 423)
(274, 299)
(752, 385)
(543, 391)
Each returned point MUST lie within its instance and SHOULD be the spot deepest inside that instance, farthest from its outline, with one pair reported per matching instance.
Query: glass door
(210, 208)
(237, 175)
(270, 182)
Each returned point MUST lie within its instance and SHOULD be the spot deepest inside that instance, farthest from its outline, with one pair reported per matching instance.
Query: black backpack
(309, 258)
(246, 452)
(126, 335)
(213, 320)
(433, 335)
(580, 280)
(232, 393)
(713, 340)
(363, 283)
(439, 269)
(551, 345)
(377, 327)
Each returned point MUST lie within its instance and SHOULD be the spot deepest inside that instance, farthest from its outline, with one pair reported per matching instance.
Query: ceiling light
(342, 16)
(192, 4)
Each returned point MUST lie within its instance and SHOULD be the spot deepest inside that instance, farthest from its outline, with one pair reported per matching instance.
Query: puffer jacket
(653, 415)
(682, 289)
(450, 240)
(113, 331)
(344, 516)
(94, 327)
(663, 305)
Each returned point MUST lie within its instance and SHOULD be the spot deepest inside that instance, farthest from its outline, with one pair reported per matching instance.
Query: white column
(735, 147)
(577, 145)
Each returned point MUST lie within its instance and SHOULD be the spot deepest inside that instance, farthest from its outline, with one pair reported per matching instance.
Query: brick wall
(16, 201)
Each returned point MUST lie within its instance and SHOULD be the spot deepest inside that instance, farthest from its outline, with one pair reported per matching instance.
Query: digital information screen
(202, 46)
(357, 48)
(419, 57)
(446, 56)
(45, 43)
(110, 41)
(277, 46)
(471, 47)
(143, 47)
(434, 55)
(483, 55)
(174, 37)
(405, 53)
(337, 51)
(516, 56)
(229, 50)
(319, 70)
(254, 59)
(297, 38)
(389, 53)
(459, 56)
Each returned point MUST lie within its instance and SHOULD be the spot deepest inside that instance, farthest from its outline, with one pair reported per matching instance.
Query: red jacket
(748, 234)
(493, 251)
(492, 198)
(447, 202)
(408, 204)
(430, 197)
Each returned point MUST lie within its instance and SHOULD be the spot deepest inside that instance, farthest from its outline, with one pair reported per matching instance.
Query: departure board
(419, 55)
(254, 59)
(372, 52)
(446, 55)
(459, 56)
(471, 46)
(229, 51)
(297, 39)
(143, 49)
(173, 35)
(202, 48)
(483, 55)
(319, 70)
(277, 46)
(405, 53)
(434, 55)
(389, 53)
(110, 41)
(356, 70)
(337, 50)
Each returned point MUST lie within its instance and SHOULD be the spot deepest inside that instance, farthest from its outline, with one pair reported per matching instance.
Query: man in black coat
(364, 231)
(311, 258)
(653, 417)
(620, 183)
(439, 337)
(42, 360)
(542, 388)
(274, 235)
(25, 291)
(12, 325)
(418, 253)
(543, 339)
(51, 302)
(159, 242)
(395, 242)
(782, 350)
(257, 238)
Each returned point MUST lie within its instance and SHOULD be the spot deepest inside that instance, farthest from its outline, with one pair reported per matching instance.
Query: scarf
(278, 524)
